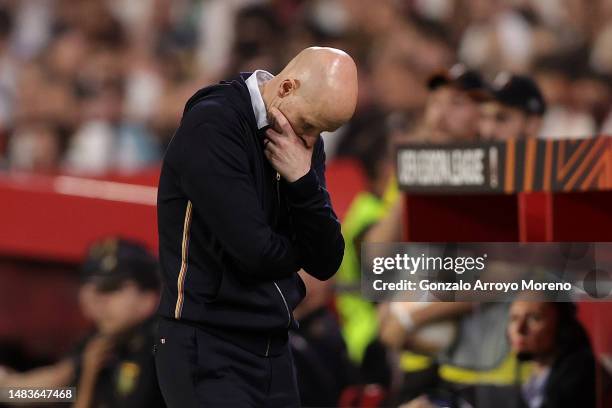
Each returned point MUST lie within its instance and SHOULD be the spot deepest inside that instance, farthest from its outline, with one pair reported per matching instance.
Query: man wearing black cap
(515, 110)
(452, 108)
(451, 115)
(114, 367)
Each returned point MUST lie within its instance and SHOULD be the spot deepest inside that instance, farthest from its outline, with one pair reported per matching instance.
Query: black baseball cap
(518, 91)
(113, 261)
(459, 76)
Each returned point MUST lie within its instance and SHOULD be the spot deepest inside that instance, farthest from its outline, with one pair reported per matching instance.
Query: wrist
(296, 176)
(304, 188)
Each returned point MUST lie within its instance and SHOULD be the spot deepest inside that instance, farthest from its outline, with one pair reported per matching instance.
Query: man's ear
(287, 86)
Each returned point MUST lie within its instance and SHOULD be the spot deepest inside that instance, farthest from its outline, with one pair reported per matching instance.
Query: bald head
(317, 87)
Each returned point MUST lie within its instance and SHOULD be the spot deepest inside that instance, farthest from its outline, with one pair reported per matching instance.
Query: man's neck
(541, 363)
(264, 96)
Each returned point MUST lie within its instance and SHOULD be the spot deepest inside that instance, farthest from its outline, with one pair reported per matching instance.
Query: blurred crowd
(91, 86)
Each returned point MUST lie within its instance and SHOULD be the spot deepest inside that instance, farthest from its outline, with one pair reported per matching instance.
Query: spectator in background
(105, 141)
(550, 335)
(497, 36)
(565, 117)
(257, 32)
(450, 116)
(162, 50)
(591, 93)
(452, 111)
(358, 316)
(515, 110)
(562, 371)
(35, 147)
(114, 366)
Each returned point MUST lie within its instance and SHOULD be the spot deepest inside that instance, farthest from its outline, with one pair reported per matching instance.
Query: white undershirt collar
(253, 82)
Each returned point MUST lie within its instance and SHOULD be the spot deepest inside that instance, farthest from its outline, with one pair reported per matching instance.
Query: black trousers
(197, 369)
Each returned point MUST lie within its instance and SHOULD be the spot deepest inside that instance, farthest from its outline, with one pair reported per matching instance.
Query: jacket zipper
(278, 200)
(278, 177)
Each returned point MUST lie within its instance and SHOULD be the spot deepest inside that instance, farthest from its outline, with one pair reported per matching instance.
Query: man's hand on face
(286, 151)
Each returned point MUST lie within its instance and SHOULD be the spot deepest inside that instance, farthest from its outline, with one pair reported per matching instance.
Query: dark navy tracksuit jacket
(232, 234)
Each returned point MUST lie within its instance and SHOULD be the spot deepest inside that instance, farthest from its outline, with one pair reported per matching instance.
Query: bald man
(242, 207)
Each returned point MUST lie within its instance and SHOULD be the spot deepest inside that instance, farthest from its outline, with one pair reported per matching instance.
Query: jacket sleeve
(215, 176)
(316, 225)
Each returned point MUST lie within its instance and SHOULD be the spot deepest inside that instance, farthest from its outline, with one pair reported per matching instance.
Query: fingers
(270, 153)
(273, 135)
(271, 149)
(277, 139)
(270, 146)
(281, 121)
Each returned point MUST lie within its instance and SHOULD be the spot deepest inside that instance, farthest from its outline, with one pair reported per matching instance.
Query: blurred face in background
(532, 328)
(593, 96)
(88, 302)
(450, 115)
(35, 147)
(555, 87)
(66, 54)
(482, 10)
(124, 307)
(437, 105)
(460, 120)
(501, 122)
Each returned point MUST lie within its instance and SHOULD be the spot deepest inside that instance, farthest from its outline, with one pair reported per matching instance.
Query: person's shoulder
(220, 107)
(213, 102)
(221, 98)
(585, 352)
(572, 380)
(577, 365)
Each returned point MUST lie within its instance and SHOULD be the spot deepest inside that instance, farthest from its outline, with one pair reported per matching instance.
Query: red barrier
(58, 217)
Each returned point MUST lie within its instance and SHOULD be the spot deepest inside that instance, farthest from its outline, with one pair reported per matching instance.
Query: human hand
(97, 351)
(286, 151)
(4, 374)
